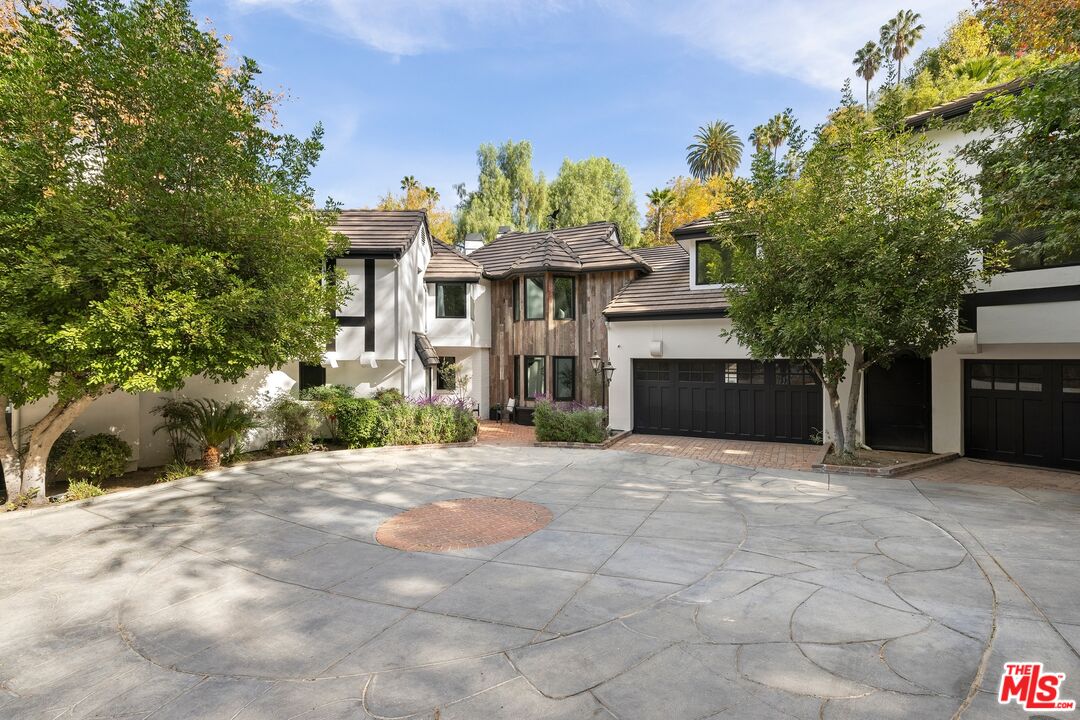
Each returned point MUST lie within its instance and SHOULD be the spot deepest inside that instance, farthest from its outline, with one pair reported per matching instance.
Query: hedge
(573, 424)
(363, 422)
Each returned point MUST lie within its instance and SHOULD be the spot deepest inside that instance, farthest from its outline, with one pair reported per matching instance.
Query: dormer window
(714, 261)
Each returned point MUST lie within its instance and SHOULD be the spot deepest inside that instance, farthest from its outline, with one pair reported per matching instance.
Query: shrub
(292, 422)
(59, 448)
(358, 422)
(327, 399)
(21, 500)
(572, 424)
(95, 458)
(82, 489)
(209, 424)
(422, 424)
(177, 471)
(389, 396)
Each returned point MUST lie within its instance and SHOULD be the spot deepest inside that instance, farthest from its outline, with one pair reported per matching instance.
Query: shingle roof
(450, 265)
(666, 291)
(425, 350)
(964, 105)
(697, 228)
(578, 249)
(380, 232)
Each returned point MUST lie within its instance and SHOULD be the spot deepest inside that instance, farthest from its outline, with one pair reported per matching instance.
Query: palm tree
(432, 193)
(409, 183)
(773, 133)
(899, 35)
(867, 62)
(660, 198)
(210, 424)
(717, 150)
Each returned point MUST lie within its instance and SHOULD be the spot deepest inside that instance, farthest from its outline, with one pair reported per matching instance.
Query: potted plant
(495, 412)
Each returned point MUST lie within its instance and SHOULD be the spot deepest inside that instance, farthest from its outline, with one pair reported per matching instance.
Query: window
(564, 380)
(563, 298)
(535, 376)
(1070, 379)
(713, 260)
(696, 372)
(515, 288)
(744, 372)
(1026, 251)
(794, 372)
(1031, 378)
(450, 300)
(656, 370)
(516, 391)
(311, 376)
(982, 376)
(534, 298)
(445, 375)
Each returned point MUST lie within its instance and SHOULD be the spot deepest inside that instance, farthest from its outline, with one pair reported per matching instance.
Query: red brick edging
(462, 523)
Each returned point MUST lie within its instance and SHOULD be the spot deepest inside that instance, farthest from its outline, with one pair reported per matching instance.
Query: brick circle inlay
(462, 523)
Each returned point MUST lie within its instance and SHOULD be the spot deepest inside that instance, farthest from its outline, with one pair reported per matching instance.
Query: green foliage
(82, 489)
(584, 425)
(508, 192)
(60, 446)
(210, 425)
(95, 458)
(326, 399)
(413, 424)
(177, 471)
(716, 150)
(21, 500)
(155, 225)
(389, 396)
(867, 245)
(358, 422)
(1030, 161)
(595, 190)
(292, 422)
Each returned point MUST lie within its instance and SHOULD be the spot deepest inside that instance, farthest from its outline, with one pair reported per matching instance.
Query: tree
(155, 226)
(774, 133)
(862, 253)
(690, 199)
(1029, 162)
(1050, 27)
(716, 150)
(593, 190)
(659, 199)
(508, 193)
(867, 62)
(426, 198)
(898, 36)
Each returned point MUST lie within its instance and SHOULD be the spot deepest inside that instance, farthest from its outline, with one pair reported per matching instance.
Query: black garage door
(741, 399)
(1025, 411)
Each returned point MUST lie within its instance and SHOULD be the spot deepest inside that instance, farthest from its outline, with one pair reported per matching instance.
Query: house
(1007, 389)
(548, 290)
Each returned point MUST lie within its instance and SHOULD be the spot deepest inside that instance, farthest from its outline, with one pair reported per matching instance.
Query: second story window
(1026, 251)
(713, 261)
(450, 300)
(515, 288)
(563, 298)
(534, 298)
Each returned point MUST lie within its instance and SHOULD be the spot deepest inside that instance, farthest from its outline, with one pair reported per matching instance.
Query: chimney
(503, 229)
(472, 241)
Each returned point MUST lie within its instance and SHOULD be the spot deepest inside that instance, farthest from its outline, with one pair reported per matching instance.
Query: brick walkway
(494, 433)
(784, 456)
(980, 472)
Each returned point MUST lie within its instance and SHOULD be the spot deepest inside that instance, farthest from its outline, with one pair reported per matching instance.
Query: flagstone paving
(662, 588)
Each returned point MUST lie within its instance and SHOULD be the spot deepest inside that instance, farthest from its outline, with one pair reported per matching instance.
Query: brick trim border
(586, 446)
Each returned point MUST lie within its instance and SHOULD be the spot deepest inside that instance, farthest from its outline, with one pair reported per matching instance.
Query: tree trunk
(857, 367)
(211, 458)
(836, 417)
(867, 94)
(9, 457)
(43, 435)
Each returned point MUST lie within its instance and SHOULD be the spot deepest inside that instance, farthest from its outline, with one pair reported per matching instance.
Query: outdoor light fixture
(595, 360)
(609, 370)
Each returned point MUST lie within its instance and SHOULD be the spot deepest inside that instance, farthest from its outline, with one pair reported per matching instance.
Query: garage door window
(1031, 377)
(794, 373)
(982, 376)
(655, 371)
(1070, 379)
(745, 372)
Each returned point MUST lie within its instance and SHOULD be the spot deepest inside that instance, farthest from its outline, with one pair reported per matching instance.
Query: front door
(897, 405)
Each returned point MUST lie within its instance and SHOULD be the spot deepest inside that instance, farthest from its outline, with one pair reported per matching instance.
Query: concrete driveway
(663, 588)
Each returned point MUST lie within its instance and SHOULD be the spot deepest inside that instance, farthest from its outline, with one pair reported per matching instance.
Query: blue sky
(412, 87)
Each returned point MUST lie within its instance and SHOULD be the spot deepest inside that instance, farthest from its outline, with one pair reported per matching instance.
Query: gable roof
(666, 292)
(386, 233)
(698, 229)
(448, 264)
(964, 105)
(586, 248)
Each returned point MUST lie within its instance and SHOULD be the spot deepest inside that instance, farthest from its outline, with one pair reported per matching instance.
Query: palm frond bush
(210, 425)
